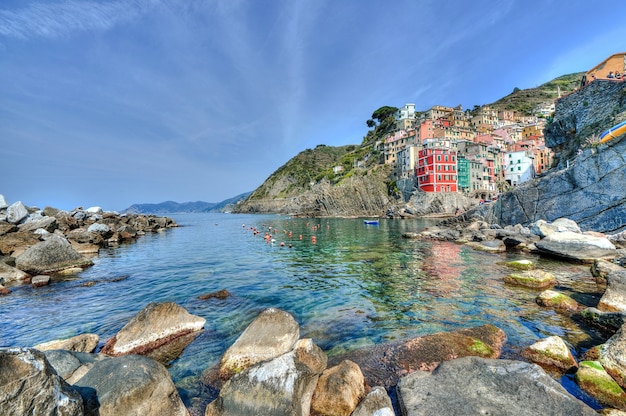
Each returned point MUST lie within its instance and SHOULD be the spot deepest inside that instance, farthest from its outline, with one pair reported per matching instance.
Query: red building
(436, 170)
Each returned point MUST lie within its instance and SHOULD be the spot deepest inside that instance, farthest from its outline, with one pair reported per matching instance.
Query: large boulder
(383, 365)
(16, 212)
(29, 385)
(3, 202)
(281, 386)
(160, 330)
(612, 356)
(575, 246)
(271, 334)
(614, 297)
(473, 385)
(339, 390)
(609, 321)
(79, 343)
(129, 385)
(551, 352)
(49, 256)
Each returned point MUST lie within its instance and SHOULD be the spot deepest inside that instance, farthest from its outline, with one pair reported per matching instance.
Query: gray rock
(473, 386)
(40, 280)
(281, 386)
(129, 385)
(99, 228)
(575, 246)
(47, 223)
(11, 274)
(611, 321)
(30, 386)
(612, 356)
(79, 343)
(376, 403)
(72, 365)
(271, 334)
(49, 256)
(3, 202)
(16, 213)
(614, 297)
(155, 326)
(94, 210)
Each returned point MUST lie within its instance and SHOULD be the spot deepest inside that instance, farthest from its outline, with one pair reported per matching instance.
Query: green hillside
(523, 101)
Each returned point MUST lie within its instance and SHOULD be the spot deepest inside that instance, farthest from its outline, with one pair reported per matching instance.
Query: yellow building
(615, 64)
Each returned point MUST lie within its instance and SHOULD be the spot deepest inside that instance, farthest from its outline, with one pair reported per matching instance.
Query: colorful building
(436, 170)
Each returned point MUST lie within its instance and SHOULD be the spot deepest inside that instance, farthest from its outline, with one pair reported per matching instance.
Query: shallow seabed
(357, 285)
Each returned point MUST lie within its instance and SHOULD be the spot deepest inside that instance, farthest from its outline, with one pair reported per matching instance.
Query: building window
(438, 177)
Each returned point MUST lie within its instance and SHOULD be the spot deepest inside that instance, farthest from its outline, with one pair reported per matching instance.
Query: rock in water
(281, 386)
(614, 297)
(575, 246)
(551, 352)
(50, 256)
(474, 386)
(30, 386)
(153, 329)
(129, 385)
(272, 333)
(613, 356)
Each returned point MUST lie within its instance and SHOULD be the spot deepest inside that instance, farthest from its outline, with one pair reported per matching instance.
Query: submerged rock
(272, 333)
(472, 386)
(156, 331)
(384, 365)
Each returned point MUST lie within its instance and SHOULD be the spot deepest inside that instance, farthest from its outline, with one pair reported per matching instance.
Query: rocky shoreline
(39, 245)
(271, 370)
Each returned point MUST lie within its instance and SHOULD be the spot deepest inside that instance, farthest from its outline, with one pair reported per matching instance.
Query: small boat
(370, 222)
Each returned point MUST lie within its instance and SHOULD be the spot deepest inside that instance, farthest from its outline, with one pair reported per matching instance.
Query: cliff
(363, 194)
(587, 186)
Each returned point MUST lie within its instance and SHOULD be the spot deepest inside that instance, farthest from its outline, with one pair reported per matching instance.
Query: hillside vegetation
(524, 101)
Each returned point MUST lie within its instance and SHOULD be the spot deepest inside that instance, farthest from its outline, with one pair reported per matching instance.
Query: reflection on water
(357, 285)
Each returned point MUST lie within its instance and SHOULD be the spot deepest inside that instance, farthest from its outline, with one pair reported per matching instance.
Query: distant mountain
(171, 207)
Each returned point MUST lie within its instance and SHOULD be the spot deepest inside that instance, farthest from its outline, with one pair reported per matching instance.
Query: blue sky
(117, 102)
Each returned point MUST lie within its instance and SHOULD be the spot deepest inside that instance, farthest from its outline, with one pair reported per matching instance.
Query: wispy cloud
(59, 19)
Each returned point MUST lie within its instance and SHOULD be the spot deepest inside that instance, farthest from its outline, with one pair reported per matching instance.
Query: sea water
(347, 283)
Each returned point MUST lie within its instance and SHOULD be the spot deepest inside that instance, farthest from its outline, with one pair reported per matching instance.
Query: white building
(519, 167)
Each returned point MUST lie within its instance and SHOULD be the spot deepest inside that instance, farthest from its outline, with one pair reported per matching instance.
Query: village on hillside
(480, 153)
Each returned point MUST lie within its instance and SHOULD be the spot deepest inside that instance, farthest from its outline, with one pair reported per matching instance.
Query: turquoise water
(358, 285)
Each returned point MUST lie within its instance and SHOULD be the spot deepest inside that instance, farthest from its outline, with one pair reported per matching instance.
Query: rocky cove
(270, 368)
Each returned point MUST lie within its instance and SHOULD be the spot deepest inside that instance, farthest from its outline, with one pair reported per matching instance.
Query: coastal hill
(171, 207)
(354, 181)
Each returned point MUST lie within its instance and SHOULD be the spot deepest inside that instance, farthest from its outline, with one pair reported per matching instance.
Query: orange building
(615, 64)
